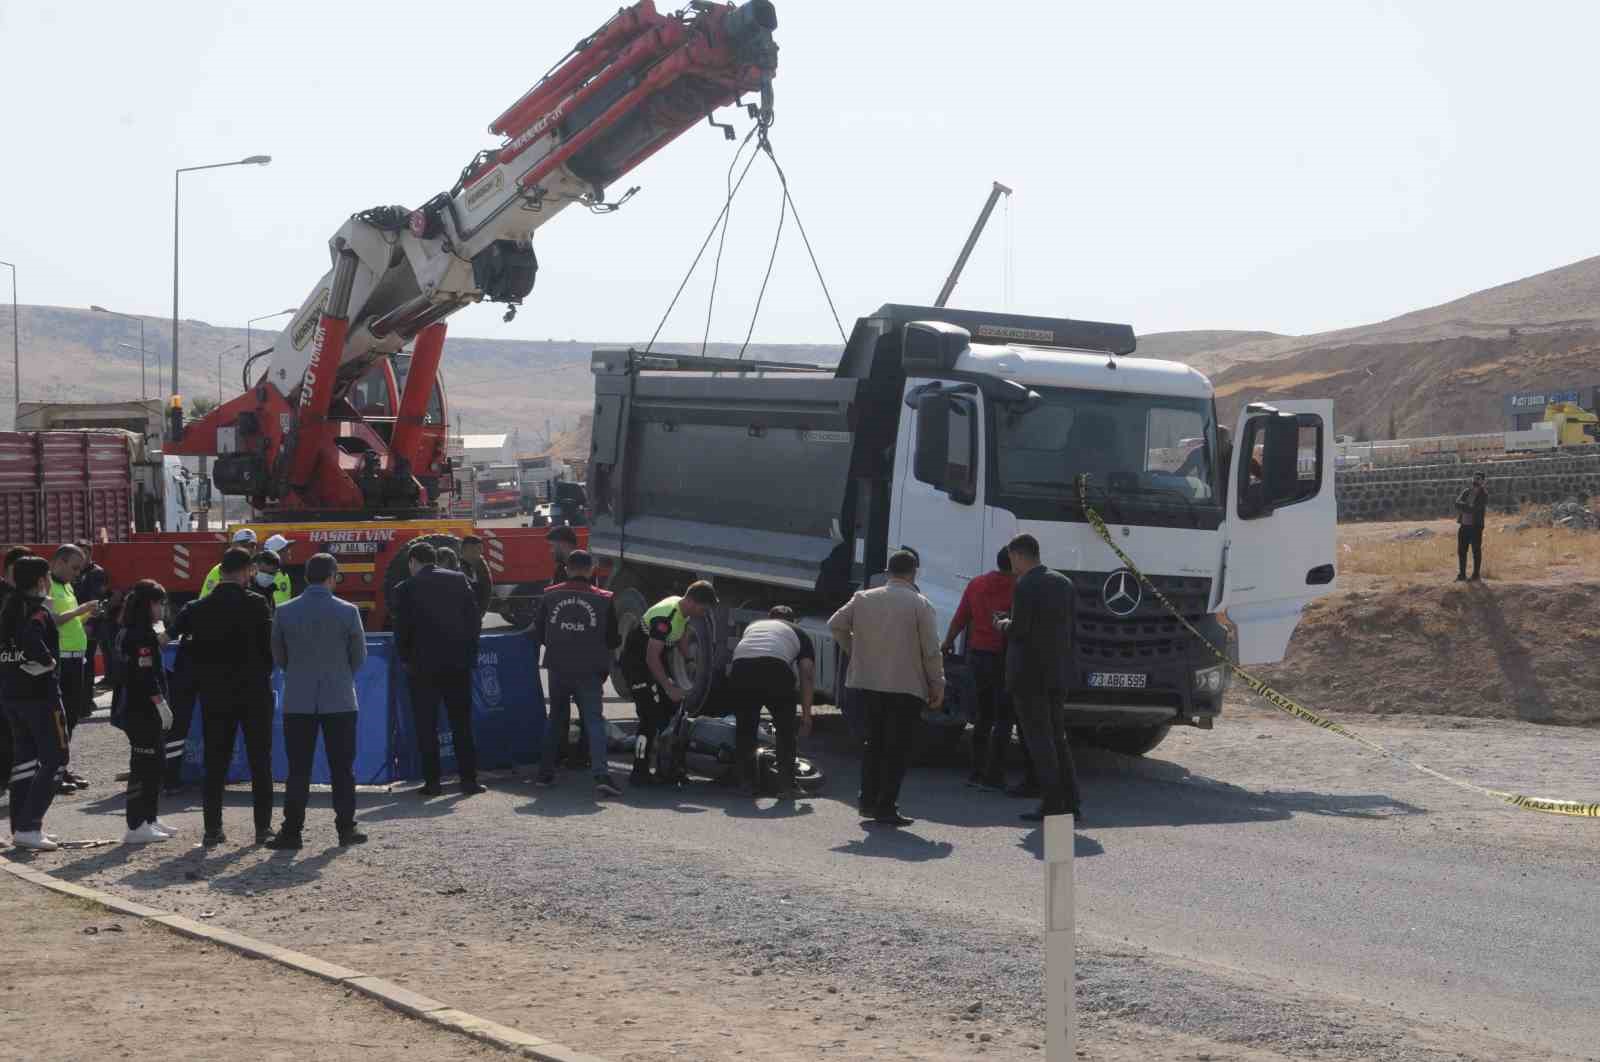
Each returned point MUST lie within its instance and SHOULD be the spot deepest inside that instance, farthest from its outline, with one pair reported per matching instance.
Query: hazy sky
(1289, 166)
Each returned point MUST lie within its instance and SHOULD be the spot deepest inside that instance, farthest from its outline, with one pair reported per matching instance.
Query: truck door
(940, 511)
(1281, 523)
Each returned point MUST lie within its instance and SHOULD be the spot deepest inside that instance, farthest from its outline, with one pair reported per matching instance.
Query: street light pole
(249, 347)
(253, 160)
(16, 358)
(143, 390)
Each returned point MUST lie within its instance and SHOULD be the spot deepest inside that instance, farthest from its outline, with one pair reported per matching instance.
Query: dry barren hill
(496, 385)
(1567, 298)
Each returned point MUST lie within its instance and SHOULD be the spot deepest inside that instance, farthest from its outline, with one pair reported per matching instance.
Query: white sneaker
(35, 840)
(145, 834)
(170, 831)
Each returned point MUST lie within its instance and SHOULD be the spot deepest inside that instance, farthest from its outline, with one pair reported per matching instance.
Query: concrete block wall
(1425, 492)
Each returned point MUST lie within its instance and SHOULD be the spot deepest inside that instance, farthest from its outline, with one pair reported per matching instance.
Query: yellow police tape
(1290, 707)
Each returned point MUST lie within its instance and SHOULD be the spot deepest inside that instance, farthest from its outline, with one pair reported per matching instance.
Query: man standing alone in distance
(1472, 505)
(893, 642)
(1038, 673)
(320, 644)
(436, 629)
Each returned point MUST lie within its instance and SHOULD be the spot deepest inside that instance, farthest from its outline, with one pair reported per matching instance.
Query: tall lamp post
(143, 391)
(16, 358)
(253, 160)
(249, 347)
(130, 346)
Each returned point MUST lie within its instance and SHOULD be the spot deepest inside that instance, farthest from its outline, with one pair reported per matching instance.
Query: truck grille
(1150, 635)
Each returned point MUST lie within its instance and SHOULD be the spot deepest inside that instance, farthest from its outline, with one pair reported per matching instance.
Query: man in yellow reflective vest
(243, 537)
(277, 545)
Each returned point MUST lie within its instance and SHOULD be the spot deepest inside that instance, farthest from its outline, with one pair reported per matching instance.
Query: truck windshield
(1145, 450)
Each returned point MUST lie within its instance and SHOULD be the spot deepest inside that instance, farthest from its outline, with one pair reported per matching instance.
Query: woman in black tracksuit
(145, 714)
(30, 697)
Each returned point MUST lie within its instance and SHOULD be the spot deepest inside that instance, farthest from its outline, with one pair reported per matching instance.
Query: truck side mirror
(933, 439)
(947, 449)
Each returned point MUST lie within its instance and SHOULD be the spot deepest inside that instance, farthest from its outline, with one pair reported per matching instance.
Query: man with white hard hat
(245, 538)
(282, 589)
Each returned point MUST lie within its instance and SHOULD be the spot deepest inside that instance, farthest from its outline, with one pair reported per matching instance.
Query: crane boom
(972, 241)
(395, 275)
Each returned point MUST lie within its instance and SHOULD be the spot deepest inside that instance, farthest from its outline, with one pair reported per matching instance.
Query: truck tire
(630, 598)
(1131, 740)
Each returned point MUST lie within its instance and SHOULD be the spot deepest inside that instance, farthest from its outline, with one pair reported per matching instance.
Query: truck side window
(1265, 485)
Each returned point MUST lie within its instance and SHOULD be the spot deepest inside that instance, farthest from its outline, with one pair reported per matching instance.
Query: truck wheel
(628, 603)
(397, 571)
(1131, 740)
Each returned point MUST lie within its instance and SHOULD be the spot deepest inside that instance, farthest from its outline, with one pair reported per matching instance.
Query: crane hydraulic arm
(296, 440)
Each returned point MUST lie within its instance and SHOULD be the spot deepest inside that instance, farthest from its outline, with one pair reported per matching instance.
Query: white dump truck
(950, 431)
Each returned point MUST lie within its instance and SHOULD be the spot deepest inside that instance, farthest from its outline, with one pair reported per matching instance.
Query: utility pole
(972, 241)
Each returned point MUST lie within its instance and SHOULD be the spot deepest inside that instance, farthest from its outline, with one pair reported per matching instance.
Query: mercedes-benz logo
(1121, 593)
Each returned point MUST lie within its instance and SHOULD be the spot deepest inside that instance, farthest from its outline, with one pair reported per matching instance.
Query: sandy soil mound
(1512, 650)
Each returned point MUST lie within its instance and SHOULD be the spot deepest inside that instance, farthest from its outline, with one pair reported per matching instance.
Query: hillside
(1186, 346)
(1562, 299)
(1441, 387)
(494, 385)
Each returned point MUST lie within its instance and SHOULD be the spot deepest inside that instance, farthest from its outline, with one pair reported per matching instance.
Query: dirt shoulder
(137, 991)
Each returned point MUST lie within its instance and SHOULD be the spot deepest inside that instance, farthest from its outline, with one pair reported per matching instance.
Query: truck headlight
(1211, 679)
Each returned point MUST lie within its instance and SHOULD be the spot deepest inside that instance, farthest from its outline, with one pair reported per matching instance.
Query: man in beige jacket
(897, 671)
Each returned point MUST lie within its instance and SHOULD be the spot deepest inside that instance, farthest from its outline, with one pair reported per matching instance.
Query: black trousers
(1469, 538)
(454, 688)
(145, 760)
(39, 749)
(75, 702)
(990, 748)
(221, 726)
(764, 682)
(1042, 718)
(339, 746)
(891, 723)
(655, 710)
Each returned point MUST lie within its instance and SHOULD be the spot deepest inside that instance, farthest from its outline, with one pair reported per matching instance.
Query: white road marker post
(1060, 1006)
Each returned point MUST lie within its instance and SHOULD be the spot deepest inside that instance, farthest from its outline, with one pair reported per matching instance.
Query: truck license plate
(1117, 680)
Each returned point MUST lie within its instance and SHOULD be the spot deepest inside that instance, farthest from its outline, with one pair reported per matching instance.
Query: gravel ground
(653, 929)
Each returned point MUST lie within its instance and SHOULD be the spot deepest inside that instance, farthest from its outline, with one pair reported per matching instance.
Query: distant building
(1526, 408)
(480, 451)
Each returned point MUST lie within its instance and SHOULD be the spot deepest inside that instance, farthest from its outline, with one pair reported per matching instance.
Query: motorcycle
(705, 747)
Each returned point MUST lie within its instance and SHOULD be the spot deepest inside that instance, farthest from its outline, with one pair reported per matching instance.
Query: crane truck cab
(951, 431)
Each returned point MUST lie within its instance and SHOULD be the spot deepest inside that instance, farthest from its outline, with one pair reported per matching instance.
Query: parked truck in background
(951, 431)
(538, 477)
(498, 493)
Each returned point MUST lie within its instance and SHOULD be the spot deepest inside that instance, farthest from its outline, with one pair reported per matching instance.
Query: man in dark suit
(436, 630)
(319, 642)
(1039, 673)
(230, 659)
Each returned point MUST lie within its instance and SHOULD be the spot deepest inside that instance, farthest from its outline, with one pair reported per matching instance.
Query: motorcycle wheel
(807, 775)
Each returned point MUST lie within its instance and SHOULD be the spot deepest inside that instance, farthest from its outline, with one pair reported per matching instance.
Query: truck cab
(951, 431)
(994, 442)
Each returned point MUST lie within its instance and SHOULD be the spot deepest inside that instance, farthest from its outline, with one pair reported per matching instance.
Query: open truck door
(1282, 523)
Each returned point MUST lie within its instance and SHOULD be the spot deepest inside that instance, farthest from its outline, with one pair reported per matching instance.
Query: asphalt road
(1365, 881)
(1266, 855)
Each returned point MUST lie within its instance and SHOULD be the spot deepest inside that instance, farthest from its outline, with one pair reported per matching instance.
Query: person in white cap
(243, 537)
(282, 589)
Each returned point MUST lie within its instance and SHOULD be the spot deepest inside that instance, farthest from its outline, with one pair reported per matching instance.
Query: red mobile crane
(342, 439)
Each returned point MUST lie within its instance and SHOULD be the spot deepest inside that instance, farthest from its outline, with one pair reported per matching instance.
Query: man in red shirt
(987, 599)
